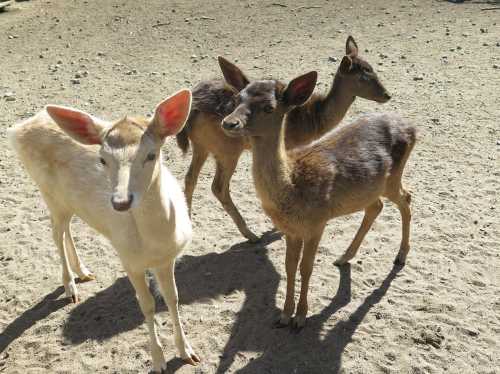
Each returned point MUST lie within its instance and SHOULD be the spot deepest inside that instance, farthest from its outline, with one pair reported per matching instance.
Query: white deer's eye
(150, 157)
(102, 161)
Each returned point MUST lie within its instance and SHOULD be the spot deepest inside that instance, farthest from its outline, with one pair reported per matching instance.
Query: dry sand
(440, 313)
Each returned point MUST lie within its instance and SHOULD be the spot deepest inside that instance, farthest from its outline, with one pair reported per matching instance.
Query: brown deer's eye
(102, 161)
(150, 157)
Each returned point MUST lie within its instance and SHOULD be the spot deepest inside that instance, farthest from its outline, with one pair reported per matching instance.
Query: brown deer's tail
(183, 140)
(182, 137)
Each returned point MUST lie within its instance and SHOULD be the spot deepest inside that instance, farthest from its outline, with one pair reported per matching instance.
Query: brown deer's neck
(336, 103)
(271, 169)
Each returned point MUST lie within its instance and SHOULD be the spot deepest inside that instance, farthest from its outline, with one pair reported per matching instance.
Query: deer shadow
(48, 305)
(244, 267)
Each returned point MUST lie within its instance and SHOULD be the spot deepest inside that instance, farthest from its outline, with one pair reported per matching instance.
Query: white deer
(121, 189)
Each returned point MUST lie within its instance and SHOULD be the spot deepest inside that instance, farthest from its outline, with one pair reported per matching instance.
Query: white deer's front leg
(166, 280)
(147, 304)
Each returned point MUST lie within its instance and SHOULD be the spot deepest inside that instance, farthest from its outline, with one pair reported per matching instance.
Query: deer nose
(121, 204)
(231, 123)
(387, 96)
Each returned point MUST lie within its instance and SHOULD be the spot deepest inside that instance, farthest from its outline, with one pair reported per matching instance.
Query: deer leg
(293, 249)
(168, 288)
(76, 264)
(59, 221)
(199, 157)
(403, 200)
(147, 305)
(306, 267)
(220, 187)
(371, 212)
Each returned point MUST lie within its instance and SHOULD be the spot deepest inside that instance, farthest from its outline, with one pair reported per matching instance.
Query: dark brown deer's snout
(234, 123)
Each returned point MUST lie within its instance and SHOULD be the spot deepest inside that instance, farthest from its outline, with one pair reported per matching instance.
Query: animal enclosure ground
(440, 313)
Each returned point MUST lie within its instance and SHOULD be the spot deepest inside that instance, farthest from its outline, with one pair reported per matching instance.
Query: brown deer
(214, 99)
(347, 170)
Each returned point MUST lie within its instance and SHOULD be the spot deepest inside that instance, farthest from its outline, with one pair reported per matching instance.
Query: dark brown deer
(347, 170)
(214, 99)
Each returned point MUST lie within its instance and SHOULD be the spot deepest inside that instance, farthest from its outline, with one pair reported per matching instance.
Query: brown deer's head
(359, 77)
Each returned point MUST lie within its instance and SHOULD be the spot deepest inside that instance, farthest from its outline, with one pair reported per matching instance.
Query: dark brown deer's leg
(371, 212)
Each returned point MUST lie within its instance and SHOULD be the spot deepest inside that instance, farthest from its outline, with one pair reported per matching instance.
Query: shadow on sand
(244, 267)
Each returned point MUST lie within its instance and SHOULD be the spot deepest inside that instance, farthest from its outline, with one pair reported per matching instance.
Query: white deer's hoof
(189, 357)
(71, 291)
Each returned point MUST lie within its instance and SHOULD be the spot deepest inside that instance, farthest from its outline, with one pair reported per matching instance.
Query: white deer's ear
(171, 114)
(79, 125)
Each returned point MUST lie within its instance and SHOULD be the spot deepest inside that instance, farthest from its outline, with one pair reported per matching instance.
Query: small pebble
(332, 59)
(75, 81)
(418, 78)
(495, 66)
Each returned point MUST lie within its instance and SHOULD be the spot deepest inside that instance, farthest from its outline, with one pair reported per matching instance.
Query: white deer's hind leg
(76, 264)
(58, 224)
(147, 305)
(168, 288)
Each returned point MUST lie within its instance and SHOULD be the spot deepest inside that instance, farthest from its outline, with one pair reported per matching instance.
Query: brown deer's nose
(120, 204)
(387, 96)
(231, 124)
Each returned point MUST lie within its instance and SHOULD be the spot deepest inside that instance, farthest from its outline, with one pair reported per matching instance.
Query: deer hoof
(87, 277)
(192, 359)
(298, 323)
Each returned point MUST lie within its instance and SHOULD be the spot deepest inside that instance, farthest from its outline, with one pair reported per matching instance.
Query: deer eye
(268, 108)
(102, 161)
(150, 157)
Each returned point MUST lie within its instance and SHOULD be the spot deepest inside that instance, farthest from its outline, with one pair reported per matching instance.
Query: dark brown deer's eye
(150, 157)
(268, 109)
(102, 161)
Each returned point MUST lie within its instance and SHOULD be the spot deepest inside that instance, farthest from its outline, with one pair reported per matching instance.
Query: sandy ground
(440, 313)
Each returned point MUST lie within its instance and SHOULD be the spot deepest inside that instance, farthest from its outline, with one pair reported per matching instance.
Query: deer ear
(345, 65)
(77, 124)
(171, 114)
(351, 48)
(300, 89)
(233, 74)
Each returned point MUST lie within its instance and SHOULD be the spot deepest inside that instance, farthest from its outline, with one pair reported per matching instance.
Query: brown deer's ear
(351, 48)
(77, 124)
(345, 65)
(233, 74)
(171, 114)
(300, 89)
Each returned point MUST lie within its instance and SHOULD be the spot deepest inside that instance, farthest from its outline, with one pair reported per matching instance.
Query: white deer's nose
(121, 204)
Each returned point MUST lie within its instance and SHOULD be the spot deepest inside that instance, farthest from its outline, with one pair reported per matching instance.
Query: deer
(214, 99)
(110, 174)
(349, 169)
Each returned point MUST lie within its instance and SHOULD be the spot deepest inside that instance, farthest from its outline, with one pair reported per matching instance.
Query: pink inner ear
(76, 123)
(173, 112)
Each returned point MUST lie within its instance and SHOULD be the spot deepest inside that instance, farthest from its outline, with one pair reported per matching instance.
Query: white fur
(148, 236)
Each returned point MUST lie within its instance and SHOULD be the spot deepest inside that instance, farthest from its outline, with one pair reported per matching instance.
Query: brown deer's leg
(293, 249)
(306, 267)
(199, 157)
(371, 212)
(403, 200)
(220, 187)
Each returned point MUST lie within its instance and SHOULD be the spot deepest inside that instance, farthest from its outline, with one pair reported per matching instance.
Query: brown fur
(215, 99)
(347, 170)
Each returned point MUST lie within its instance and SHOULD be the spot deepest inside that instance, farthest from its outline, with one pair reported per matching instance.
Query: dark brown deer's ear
(345, 65)
(351, 48)
(300, 89)
(233, 74)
